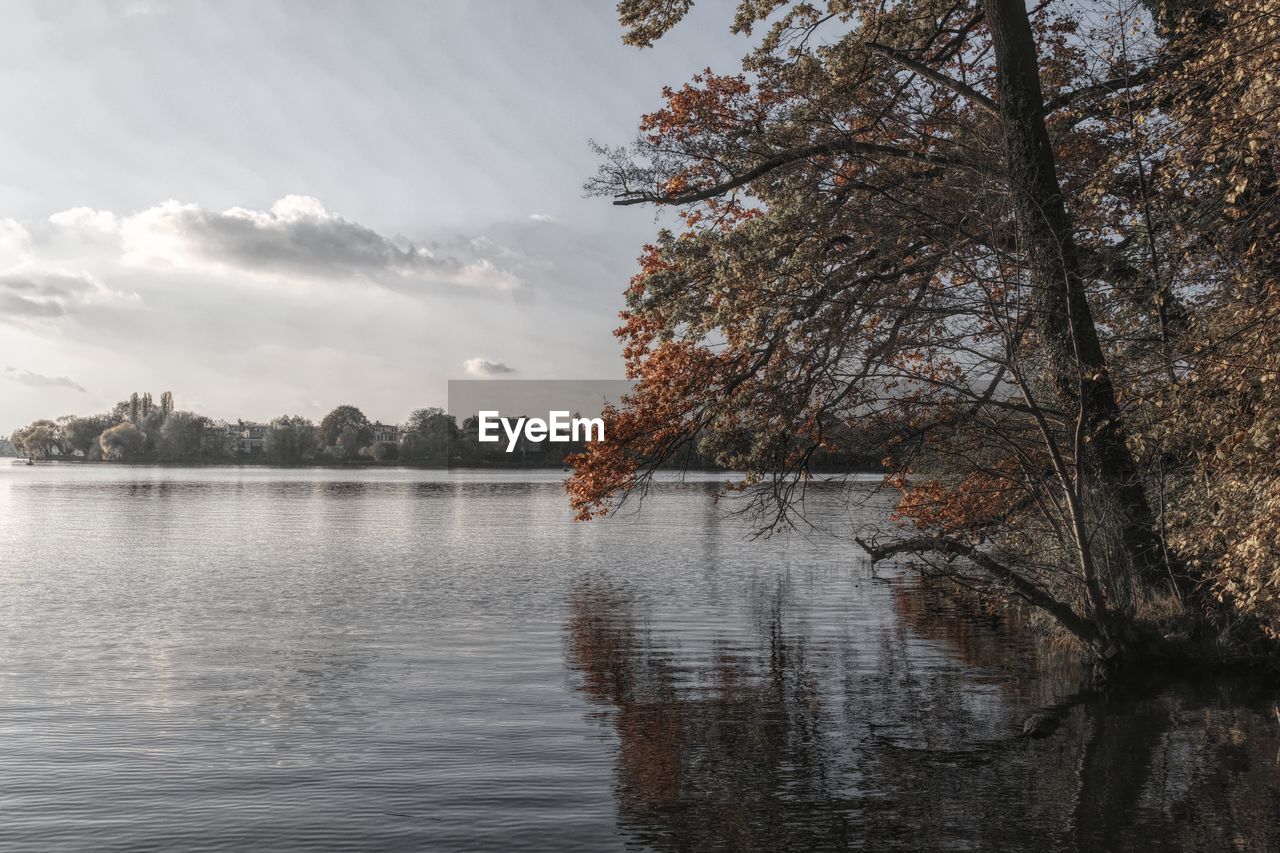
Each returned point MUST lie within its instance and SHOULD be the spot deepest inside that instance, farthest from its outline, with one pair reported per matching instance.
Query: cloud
(87, 219)
(39, 380)
(140, 9)
(14, 237)
(484, 367)
(52, 268)
(298, 238)
(30, 290)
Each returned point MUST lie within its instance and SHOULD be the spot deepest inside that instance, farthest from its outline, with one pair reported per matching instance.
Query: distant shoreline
(252, 463)
(365, 464)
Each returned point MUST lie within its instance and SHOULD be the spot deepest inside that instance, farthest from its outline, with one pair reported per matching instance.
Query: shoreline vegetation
(141, 431)
(1056, 268)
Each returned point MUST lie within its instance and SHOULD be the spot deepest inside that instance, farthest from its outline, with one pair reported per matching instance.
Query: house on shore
(385, 433)
(250, 438)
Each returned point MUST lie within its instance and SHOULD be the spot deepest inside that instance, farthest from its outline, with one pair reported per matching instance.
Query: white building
(249, 437)
(385, 433)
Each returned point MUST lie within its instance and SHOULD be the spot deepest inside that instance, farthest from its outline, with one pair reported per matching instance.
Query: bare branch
(1082, 628)
(787, 158)
(935, 76)
(1103, 87)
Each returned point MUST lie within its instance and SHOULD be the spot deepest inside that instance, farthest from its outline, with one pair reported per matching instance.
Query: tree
(1215, 433)
(291, 440)
(182, 437)
(429, 436)
(351, 441)
(431, 419)
(151, 425)
(919, 219)
(80, 434)
(382, 451)
(219, 441)
(38, 440)
(122, 443)
(344, 418)
(139, 408)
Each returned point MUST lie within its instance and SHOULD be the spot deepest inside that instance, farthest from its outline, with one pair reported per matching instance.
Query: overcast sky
(275, 207)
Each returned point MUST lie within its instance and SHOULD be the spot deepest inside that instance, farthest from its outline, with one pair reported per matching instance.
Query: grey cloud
(39, 380)
(36, 293)
(298, 237)
(13, 306)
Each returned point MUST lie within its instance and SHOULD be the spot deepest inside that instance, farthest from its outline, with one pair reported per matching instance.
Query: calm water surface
(325, 660)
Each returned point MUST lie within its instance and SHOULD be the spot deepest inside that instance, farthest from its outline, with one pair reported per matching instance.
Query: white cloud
(485, 367)
(14, 238)
(87, 219)
(39, 380)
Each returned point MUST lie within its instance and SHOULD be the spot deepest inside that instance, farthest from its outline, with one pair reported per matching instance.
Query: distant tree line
(140, 429)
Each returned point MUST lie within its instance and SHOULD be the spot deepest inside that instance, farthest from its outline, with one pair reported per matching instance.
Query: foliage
(162, 433)
(80, 434)
(184, 437)
(382, 451)
(1217, 430)
(429, 436)
(351, 441)
(122, 443)
(346, 427)
(38, 440)
(1047, 257)
(291, 439)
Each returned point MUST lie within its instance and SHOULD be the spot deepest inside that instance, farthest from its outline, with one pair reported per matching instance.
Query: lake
(254, 658)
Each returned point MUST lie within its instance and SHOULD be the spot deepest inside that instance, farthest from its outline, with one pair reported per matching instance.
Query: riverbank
(501, 463)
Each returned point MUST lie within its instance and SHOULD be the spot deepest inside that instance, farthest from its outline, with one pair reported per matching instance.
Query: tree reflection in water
(911, 742)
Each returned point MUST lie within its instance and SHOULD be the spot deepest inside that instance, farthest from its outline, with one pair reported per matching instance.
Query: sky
(272, 208)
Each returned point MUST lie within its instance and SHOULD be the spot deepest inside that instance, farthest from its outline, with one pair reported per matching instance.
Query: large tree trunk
(1076, 366)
